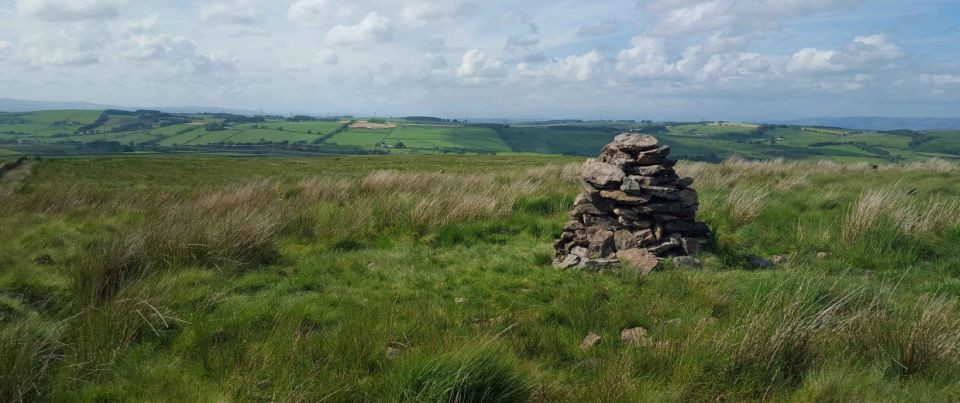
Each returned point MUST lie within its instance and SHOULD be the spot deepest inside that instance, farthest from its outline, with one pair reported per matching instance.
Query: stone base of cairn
(634, 209)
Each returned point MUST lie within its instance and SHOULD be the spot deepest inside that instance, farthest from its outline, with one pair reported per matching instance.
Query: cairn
(634, 208)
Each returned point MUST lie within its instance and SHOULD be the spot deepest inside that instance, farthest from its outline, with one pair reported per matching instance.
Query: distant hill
(878, 123)
(21, 105)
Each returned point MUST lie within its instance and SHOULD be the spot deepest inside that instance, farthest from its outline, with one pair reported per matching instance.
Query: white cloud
(646, 58)
(585, 67)
(371, 29)
(603, 28)
(319, 12)
(148, 47)
(941, 80)
(76, 45)
(177, 52)
(685, 16)
(421, 12)
(864, 52)
(139, 26)
(327, 57)
(476, 65)
(66, 10)
(236, 13)
(5, 47)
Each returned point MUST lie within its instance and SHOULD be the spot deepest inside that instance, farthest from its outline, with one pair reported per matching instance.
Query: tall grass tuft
(484, 375)
(745, 204)
(933, 215)
(933, 336)
(28, 352)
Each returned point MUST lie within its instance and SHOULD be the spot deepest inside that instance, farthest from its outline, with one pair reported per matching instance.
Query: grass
(428, 279)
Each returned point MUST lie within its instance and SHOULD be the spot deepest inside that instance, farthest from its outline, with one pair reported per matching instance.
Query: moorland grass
(429, 279)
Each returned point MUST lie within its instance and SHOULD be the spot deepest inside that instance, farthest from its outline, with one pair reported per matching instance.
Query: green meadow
(54, 133)
(429, 278)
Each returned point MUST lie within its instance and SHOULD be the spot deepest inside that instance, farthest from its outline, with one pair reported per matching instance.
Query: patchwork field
(109, 132)
(428, 278)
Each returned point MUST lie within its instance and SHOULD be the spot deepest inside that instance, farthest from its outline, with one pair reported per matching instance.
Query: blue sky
(656, 59)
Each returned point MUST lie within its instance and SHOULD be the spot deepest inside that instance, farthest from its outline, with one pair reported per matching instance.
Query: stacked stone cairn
(634, 209)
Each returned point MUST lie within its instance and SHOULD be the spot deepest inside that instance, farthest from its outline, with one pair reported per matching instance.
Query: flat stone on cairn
(633, 208)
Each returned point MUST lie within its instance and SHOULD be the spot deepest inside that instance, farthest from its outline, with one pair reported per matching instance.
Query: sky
(601, 59)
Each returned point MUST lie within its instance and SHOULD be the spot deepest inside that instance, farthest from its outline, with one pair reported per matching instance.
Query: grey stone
(622, 197)
(692, 246)
(598, 264)
(616, 157)
(624, 240)
(650, 170)
(685, 182)
(653, 157)
(568, 262)
(602, 175)
(587, 208)
(634, 142)
(588, 342)
(601, 242)
(688, 197)
(636, 336)
(639, 259)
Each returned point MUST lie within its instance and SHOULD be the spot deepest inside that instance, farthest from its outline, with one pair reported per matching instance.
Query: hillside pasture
(428, 137)
(429, 279)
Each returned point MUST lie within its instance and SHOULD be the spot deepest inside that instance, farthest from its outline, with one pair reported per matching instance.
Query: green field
(62, 133)
(429, 278)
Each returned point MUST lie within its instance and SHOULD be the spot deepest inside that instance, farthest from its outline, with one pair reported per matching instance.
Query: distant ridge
(21, 105)
(878, 123)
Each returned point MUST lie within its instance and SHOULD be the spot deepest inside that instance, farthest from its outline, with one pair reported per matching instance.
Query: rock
(634, 224)
(600, 221)
(621, 197)
(636, 336)
(589, 208)
(822, 255)
(665, 246)
(579, 251)
(665, 208)
(649, 170)
(685, 182)
(601, 242)
(759, 262)
(568, 262)
(597, 264)
(664, 192)
(624, 239)
(653, 157)
(573, 225)
(688, 197)
(692, 246)
(588, 342)
(602, 175)
(617, 157)
(634, 142)
(639, 259)
(394, 350)
(779, 260)
(686, 228)
(687, 261)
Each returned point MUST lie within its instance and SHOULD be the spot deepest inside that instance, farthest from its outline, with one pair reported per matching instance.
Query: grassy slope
(308, 273)
(710, 141)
